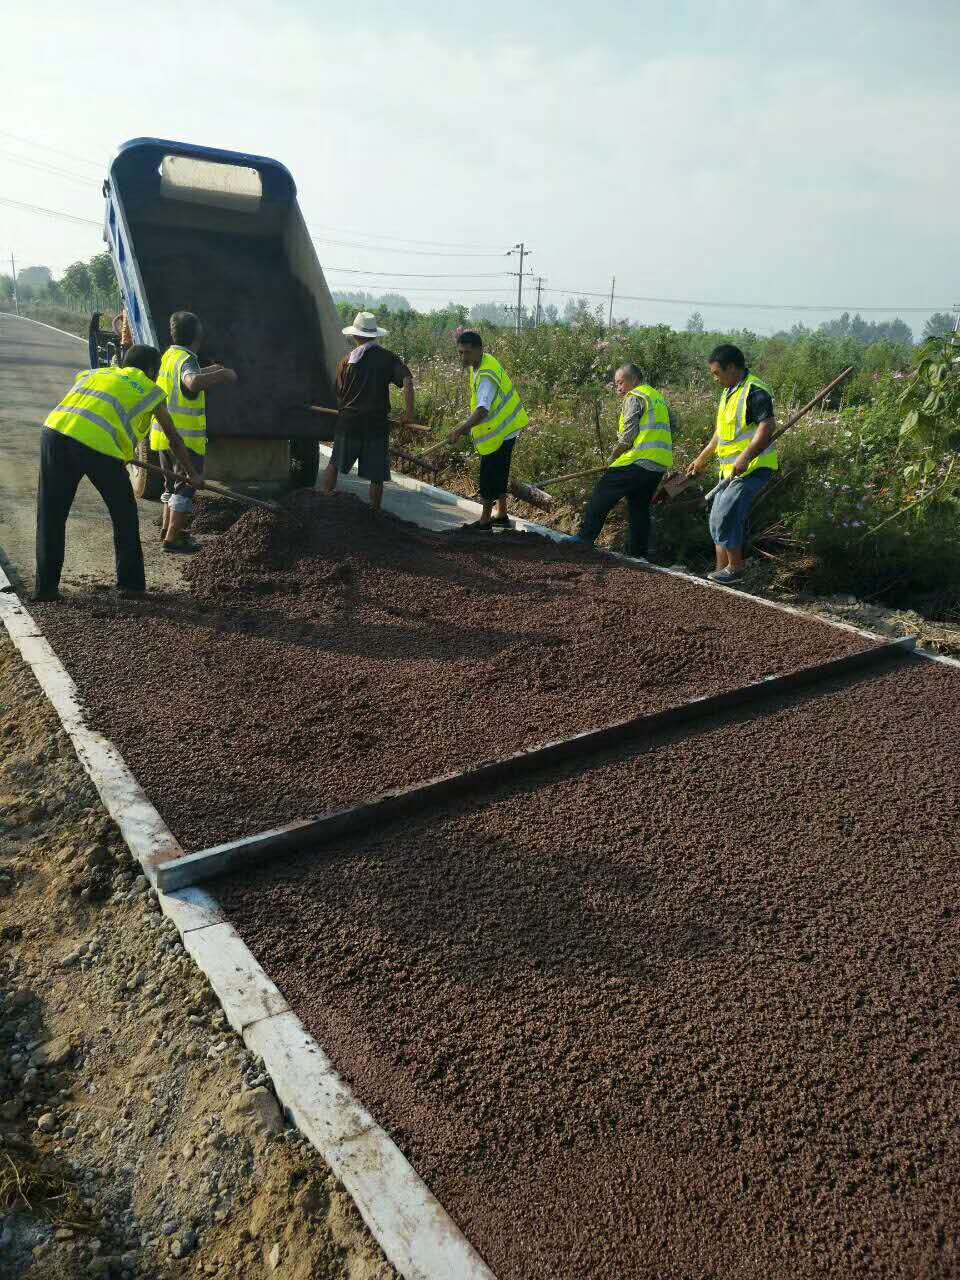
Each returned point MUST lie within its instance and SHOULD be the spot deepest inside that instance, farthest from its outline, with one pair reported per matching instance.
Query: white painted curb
(43, 325)
(412, 1227)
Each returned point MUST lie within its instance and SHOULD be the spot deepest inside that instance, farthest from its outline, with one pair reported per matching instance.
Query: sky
(800, 156)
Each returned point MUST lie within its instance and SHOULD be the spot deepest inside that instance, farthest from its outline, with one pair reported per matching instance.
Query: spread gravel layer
(327, 654)
(689, 1011)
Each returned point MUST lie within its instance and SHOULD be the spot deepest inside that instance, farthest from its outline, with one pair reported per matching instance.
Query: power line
(755, 306)
(375, 235)
(52, 213)
(421, 253)
(84, 180)
(70, 155)
(423, 275)
(343, 287)
(894, 309)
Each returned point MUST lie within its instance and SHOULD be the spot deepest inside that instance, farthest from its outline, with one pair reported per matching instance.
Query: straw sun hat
(365, 326)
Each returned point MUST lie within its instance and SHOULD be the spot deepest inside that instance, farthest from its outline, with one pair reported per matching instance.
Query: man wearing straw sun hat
(364, 378)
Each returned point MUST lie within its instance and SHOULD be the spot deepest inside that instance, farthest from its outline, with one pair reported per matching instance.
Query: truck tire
(304, 463)
(146, 484)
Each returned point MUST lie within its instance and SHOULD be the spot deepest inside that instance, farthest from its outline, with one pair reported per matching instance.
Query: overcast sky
(760, 151)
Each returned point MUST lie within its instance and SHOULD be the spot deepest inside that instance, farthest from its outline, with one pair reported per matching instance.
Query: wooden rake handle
(406, 426)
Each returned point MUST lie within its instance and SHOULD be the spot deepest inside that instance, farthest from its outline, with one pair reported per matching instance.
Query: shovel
(211, 485)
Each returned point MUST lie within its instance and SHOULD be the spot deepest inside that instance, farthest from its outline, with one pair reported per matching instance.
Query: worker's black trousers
(637, 485)
(63, 464)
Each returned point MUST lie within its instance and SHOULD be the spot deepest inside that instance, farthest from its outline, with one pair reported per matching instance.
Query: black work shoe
(478, 526)
(501, 522)
(45, 597)
(183, 547)
(131, 593)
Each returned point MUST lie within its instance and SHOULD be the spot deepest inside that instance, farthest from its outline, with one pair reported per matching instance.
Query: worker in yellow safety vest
(94, 432)
(185, 385)
(747, 459)
(496, 419)
(641, 457)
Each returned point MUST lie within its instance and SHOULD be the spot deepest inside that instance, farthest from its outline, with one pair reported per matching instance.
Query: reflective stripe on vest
(107, 410)
(734, 433)
(506, 417)
(189, 416)
(654, 439)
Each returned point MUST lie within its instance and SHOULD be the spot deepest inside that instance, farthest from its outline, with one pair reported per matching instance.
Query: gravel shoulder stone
(118, 1072)
(686, 1010)
(328, 654)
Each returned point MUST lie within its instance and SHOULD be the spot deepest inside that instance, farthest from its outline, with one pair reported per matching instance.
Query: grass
(30, 1183)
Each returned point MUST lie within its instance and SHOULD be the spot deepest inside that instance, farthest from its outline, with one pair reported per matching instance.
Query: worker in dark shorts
(94, 431)
(364, 378)
(496, 419)
(744, 453)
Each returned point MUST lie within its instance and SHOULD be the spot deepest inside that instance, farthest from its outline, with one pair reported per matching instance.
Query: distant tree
(695, 323)
(394, 302)
(576, 311)
(550, 314)
(76, 282)
(868, 331)
(497, 313)
(939, 325)
(6, 288)
(102, 273)
(35, 277)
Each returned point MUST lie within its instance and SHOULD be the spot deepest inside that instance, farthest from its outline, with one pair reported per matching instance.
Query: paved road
(37, 364)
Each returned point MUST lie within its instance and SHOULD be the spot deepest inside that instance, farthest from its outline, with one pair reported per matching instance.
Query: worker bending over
(641, 456)
(496, 419)
(364, 377)
(94, 431)
(185, 385)
(747, 460)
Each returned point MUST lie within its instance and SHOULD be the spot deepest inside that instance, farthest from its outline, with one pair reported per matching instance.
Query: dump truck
(220, 233)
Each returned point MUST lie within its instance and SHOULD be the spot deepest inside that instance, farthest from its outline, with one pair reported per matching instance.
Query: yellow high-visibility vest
(654, 439)
(507, 416)
(189, 416)
(734, 433)
(108, 410)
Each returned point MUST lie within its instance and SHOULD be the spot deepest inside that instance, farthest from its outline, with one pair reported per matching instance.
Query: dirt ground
(132, 1119)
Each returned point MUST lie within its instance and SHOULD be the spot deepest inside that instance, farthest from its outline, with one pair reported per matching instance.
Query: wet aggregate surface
(690, 1010)
(328, 654)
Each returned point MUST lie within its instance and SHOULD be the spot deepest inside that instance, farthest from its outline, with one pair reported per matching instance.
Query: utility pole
(956, 327)
(613, 285)
(536, 324)
(523, 251)
(16, 295)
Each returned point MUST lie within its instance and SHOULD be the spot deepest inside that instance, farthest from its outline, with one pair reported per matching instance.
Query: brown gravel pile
(691, 1011)
(329, 654)
(215, 515)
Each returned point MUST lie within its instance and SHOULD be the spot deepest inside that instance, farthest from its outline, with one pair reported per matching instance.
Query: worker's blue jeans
(731, 507)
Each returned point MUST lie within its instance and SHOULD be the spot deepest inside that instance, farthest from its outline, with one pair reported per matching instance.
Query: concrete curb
(43, 325)
(411, 1226)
